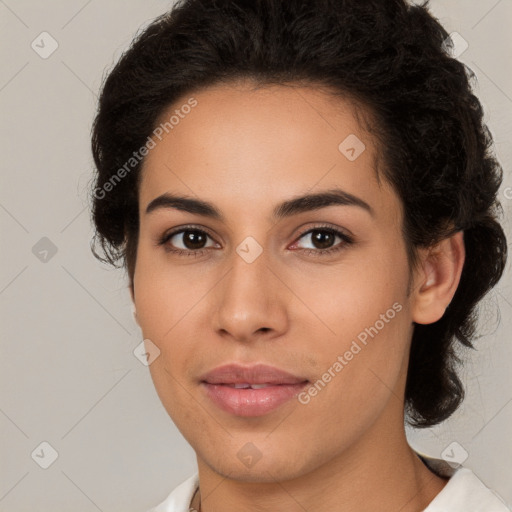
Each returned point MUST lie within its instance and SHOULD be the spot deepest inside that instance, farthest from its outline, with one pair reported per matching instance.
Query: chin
(261, 469)
(270, 474)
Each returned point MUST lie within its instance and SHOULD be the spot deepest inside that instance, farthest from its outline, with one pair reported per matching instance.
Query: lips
(250, 391)
(232, 374)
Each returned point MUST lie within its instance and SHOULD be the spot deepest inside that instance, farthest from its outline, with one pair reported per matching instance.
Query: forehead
(260, 145)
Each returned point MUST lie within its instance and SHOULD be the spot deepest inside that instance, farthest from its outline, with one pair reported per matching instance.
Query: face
(316, 289)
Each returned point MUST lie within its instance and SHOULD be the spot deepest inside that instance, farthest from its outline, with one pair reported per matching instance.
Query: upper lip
(253, 374)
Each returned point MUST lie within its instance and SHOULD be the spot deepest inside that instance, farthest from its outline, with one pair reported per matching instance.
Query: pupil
(193, 239)
(318, 239)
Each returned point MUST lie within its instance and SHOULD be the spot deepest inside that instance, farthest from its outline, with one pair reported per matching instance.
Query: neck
(380, 472)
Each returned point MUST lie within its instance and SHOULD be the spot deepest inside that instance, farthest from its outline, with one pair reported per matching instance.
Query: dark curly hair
(394, 60)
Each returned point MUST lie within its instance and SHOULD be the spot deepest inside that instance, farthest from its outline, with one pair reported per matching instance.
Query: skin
(245, 150)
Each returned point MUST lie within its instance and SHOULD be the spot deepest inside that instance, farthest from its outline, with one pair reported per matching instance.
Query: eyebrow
(294, 206)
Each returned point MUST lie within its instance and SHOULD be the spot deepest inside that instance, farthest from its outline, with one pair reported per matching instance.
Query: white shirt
(464, 492)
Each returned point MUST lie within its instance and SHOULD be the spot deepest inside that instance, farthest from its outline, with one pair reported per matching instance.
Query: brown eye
(323, 240)
(186, 241)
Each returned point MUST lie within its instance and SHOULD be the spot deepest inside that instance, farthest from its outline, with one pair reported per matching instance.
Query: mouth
(247, 386)
(250, 391)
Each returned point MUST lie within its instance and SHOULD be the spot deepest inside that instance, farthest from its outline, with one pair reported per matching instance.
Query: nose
(250, 301)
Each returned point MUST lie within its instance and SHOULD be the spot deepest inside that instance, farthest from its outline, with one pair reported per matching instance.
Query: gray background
(68, 373)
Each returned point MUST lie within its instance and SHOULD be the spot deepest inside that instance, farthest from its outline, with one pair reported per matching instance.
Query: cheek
(362, 374)
(365, 325)
(368, 342)
(163, 296)
(348, 298)
(160, 305)
(162, 309)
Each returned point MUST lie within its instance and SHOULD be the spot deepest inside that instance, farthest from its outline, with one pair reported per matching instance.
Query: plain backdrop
(68, 374)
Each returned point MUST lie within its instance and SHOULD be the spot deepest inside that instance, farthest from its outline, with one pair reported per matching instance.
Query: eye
(324, 237)
(185, 241)
(190, 241)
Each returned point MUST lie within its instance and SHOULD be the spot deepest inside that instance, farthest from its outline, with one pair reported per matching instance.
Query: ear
(437, 278)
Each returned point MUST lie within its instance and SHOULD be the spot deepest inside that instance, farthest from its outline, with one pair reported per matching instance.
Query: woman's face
(252, 285)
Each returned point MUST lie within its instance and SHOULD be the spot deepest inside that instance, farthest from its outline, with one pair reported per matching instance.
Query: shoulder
(464, 491)
(180, 497)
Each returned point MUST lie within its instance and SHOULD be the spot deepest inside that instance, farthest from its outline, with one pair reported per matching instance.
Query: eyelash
(346, 240)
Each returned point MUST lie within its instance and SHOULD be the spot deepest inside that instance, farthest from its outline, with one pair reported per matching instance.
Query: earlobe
(438, 279)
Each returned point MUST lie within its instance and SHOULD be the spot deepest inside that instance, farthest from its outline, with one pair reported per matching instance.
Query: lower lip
(251, 402)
